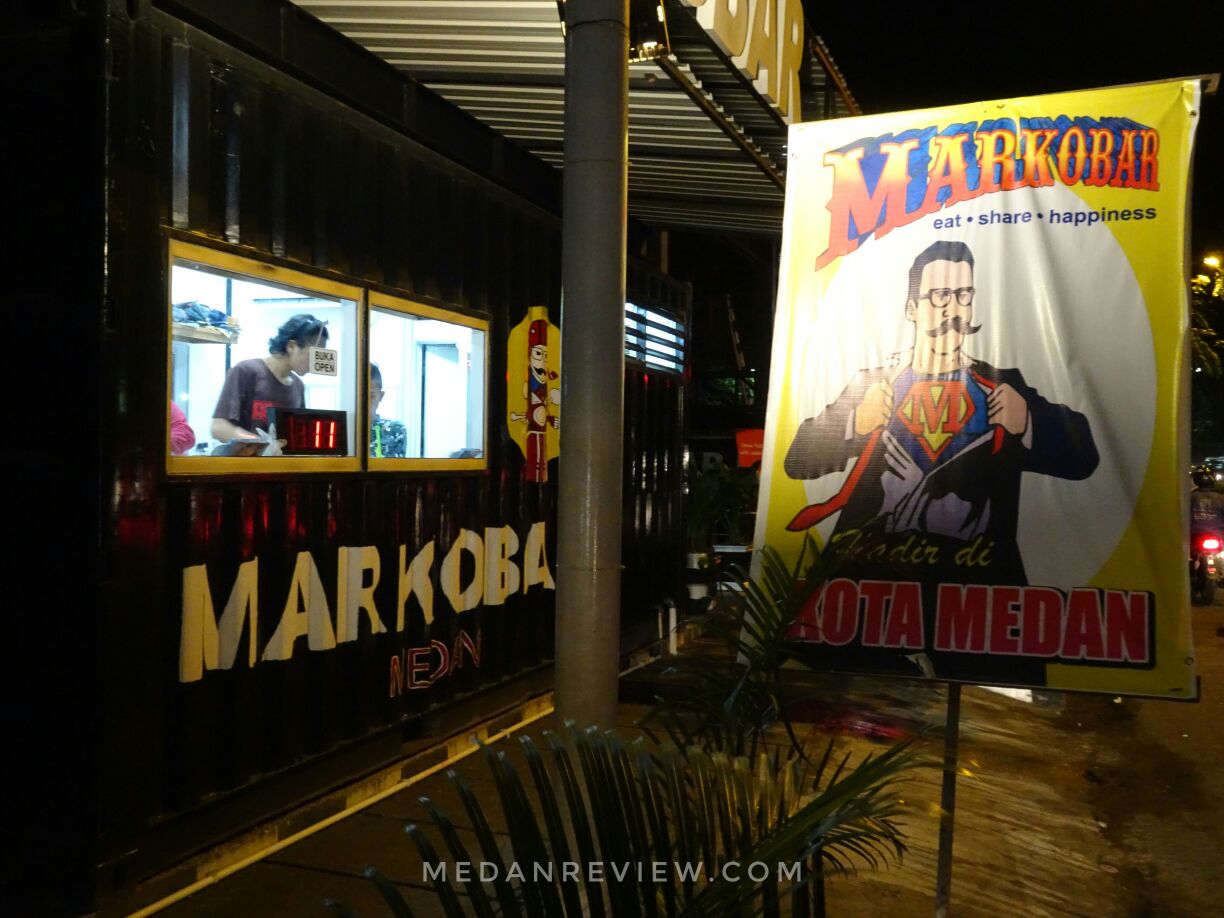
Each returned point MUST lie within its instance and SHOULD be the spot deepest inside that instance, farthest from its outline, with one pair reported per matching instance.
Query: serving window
(427, 380)
(264, 367)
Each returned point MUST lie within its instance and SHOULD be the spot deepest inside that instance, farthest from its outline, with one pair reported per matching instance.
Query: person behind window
(182, 437)
(253, 386)
(388, 439)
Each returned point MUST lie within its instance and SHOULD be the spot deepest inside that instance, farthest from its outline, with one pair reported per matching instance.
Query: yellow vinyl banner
(978, 404)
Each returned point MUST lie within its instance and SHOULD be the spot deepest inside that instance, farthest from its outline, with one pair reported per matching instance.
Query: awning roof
(705, 151)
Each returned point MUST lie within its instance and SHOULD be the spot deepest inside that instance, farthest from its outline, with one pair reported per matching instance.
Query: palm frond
(631, 806)
(710, 784)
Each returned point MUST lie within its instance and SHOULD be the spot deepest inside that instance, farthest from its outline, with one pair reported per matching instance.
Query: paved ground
(1080, 806)
(1092, 807)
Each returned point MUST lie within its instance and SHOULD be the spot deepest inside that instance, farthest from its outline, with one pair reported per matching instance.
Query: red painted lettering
(1041, 622)
(839, 615)
(1082, 637)
(905, 618)
(1126, 626)
(960, 618)
(874, 594)
(1003, 619)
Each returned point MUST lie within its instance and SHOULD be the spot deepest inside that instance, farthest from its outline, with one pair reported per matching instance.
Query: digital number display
(310, 432)
(312, 436)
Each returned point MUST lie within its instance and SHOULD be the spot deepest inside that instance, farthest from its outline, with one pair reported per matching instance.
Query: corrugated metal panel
(652, 489)
(239, 154)
(503, 61)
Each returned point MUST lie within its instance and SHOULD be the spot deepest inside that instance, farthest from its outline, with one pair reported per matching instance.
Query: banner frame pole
(947, 803)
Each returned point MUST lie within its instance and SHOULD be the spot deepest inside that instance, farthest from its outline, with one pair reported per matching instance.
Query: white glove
(274, 446)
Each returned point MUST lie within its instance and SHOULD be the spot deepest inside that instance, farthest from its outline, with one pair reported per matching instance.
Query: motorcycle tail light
(1210, 543)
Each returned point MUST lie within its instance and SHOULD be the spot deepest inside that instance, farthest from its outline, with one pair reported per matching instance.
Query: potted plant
(737, 498)
(702, 509)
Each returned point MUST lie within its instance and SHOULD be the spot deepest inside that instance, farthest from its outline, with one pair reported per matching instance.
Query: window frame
(391, 303)
(242, 266)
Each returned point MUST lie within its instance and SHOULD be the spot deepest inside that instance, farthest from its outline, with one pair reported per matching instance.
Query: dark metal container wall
(163, 131)
(252, 129)
(653, 487)
(208, 143)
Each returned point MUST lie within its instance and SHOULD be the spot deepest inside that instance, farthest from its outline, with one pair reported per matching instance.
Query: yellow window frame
(386, 301)
(239, 265)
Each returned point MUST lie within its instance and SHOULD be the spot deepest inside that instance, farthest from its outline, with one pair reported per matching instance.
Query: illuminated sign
(764, 39)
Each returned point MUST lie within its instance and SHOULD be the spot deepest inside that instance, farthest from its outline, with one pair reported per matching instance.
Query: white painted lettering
(202, 645)
(352, 595)
(414, 579)
(535, 560)
(305, 613)
(501, 574)
(463, 599)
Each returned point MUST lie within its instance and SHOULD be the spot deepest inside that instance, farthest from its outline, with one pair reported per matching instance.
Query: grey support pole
(593, 359)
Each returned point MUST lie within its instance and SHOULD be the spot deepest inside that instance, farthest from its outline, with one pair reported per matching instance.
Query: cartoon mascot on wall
(533, 410)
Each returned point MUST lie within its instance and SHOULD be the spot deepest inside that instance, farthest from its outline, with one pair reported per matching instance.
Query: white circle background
(1057, 302)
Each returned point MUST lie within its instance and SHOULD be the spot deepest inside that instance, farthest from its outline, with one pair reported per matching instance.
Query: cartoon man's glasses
(942, 296)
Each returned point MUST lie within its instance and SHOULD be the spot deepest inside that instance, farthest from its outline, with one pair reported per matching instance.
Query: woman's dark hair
(303, 329)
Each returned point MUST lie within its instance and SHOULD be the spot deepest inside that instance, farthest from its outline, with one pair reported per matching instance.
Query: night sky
(917, 55)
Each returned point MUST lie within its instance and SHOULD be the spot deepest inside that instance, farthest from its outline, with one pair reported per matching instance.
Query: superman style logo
(935, 412)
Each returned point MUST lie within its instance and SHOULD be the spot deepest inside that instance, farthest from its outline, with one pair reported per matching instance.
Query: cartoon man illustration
(540, 397)
(939, 440)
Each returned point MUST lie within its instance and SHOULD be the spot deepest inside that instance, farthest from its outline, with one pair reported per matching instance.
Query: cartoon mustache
(954, 322)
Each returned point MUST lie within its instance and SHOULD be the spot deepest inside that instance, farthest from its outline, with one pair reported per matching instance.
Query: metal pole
(947, 803)
(594, 218)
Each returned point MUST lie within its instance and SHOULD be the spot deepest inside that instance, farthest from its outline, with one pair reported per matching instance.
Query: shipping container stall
(304, 405)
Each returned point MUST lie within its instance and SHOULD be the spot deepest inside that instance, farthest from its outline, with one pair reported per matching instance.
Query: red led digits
(312, 432)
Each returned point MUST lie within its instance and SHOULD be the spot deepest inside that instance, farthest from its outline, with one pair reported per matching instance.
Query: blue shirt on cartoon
(935, 417)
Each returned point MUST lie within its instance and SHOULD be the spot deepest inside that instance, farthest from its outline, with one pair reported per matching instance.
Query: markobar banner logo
(977, 378)
(612, 871)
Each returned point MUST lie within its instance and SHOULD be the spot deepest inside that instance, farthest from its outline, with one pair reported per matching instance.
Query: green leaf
(338, 908)
(442, 887)
(490, 852)
(459, 853)
(540, 897)
(580, 822)
(391, 895)
(554, 820)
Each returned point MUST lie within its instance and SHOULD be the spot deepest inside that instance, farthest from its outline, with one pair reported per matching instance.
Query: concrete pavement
(1075, 805)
